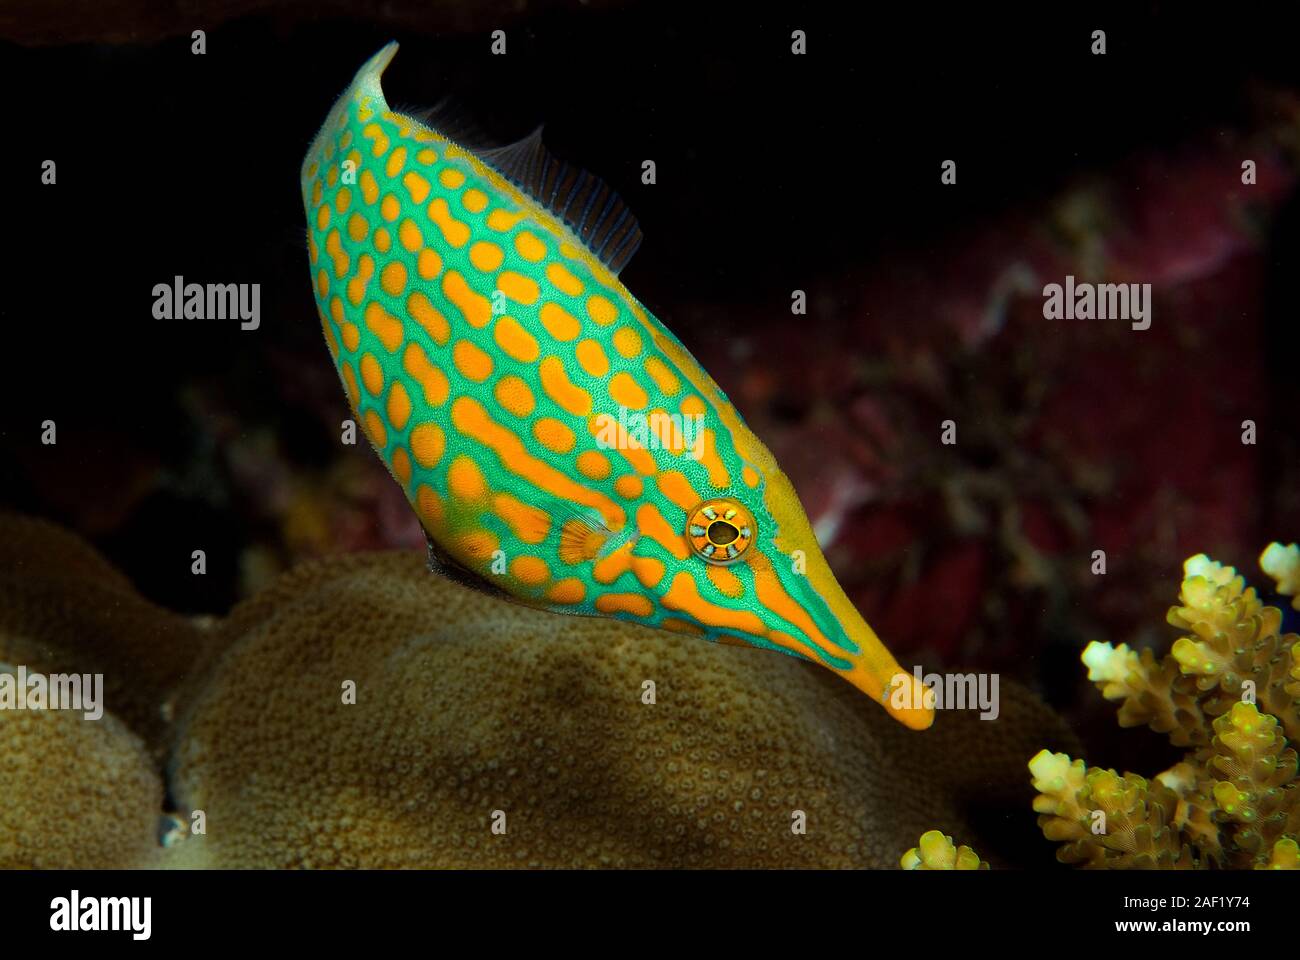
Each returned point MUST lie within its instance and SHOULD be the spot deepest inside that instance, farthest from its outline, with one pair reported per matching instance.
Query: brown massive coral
(363, 712)
(81, 792)
(76, 792)
(63, 607)
(471, 713)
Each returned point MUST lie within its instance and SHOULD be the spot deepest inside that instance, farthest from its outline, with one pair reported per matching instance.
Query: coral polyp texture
(1227, 692)
(471, 711)
(77, 793)
(464, 707)
(63, 607)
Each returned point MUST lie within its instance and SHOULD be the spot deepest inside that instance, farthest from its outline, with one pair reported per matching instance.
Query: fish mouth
(876, 673)
(916, 711)
(844, 642)
(833, 633)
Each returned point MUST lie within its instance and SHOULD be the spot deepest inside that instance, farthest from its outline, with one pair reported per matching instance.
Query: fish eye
(720, 531)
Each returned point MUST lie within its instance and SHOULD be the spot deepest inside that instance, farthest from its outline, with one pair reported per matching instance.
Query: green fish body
(555, 439)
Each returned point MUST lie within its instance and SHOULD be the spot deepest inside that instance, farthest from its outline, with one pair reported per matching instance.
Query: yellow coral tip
(936, 851)
(1286, 856)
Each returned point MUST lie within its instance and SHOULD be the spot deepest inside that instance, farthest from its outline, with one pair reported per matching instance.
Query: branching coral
(937, 852)
(1105, 819)
(1227, 691)
(1283, 565)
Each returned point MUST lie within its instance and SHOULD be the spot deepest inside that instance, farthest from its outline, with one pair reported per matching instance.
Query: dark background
(775, 172)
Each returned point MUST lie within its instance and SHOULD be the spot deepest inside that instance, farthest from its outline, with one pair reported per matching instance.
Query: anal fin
(441, 563)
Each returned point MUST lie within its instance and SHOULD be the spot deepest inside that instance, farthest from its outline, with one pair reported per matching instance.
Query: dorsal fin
(586, 204)
(450, 117)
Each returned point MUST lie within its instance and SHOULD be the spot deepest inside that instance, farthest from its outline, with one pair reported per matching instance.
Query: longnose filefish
(559, 445)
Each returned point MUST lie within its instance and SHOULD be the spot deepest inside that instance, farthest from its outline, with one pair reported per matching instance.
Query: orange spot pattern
(491, 406)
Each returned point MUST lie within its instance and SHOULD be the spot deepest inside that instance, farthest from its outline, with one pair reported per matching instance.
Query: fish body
(555, 439)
